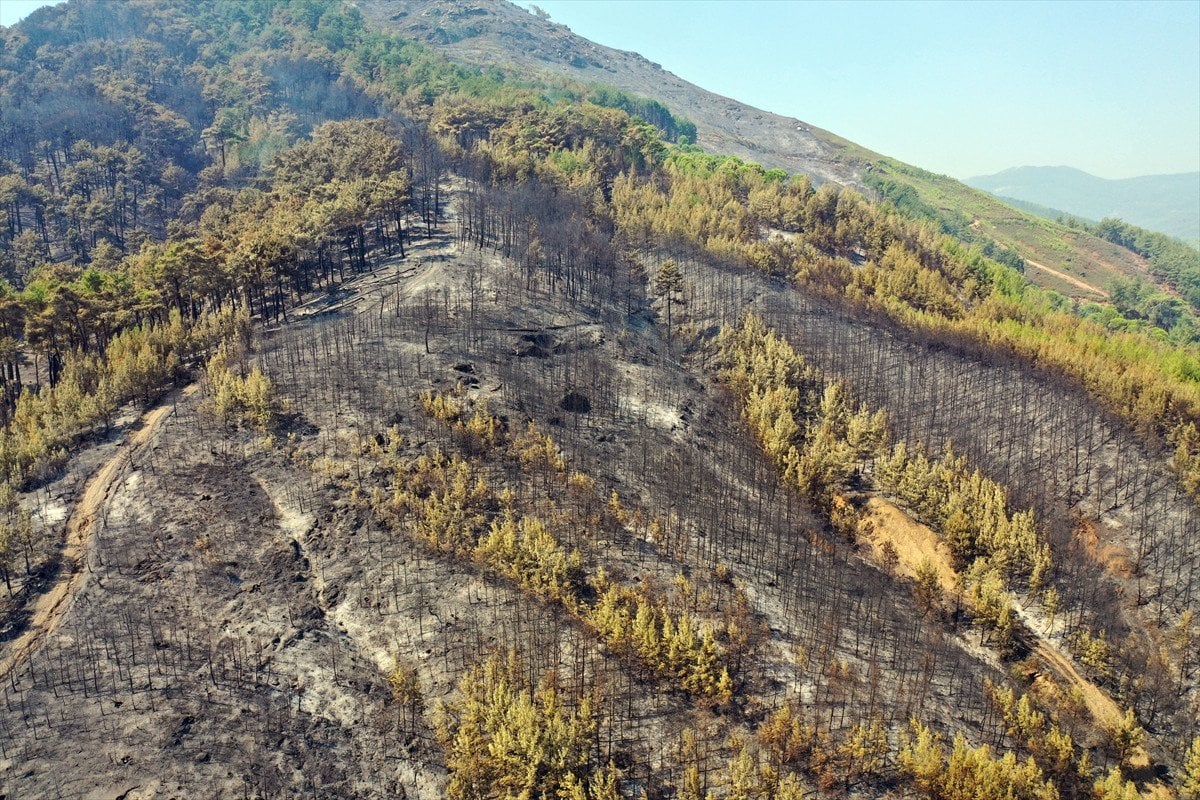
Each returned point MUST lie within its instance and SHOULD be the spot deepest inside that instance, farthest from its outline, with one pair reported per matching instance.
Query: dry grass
(1116, 560)
(1062, 276)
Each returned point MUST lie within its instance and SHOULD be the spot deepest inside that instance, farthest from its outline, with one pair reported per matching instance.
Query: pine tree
(928, 587)
(1190, 785)
(1114, 787)
(667, 283)
(1127, 737)
(922, 758)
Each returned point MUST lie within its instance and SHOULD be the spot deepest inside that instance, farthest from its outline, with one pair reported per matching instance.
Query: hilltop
(501, 33)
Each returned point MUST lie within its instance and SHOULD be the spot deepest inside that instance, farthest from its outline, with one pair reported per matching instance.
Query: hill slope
(378, 427)
(1166, 203)
(488, 33)
(495, 32)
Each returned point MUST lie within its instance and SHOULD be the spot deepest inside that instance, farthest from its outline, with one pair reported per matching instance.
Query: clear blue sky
(959, 88)
(12, 11)
(964, 88)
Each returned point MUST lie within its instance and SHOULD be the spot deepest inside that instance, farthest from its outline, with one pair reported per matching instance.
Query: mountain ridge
(487, 34)
(490, 33)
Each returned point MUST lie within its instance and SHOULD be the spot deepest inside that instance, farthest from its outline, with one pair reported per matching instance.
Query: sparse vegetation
(495, 490)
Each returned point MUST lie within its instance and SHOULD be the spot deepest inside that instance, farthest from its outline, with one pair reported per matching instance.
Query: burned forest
(376, 425)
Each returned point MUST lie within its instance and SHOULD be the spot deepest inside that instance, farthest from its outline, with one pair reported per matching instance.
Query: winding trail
(50, 608)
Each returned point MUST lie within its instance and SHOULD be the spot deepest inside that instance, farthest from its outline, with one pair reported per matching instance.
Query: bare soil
(233, 632)
(914, 543)
(47, 611)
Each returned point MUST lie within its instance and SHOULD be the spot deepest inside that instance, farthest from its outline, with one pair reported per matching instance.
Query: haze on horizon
(965, 89)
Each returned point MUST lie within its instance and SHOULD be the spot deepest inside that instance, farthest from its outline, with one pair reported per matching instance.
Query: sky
(961, 88)
(12, 11)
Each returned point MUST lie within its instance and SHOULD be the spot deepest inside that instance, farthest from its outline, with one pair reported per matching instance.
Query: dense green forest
(1171, 261)
(174, 174)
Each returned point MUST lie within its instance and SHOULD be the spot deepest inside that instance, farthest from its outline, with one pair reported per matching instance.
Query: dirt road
(49, 609)
(1104, 710)
(1102, 707)
(1071, 279)
(915, 543)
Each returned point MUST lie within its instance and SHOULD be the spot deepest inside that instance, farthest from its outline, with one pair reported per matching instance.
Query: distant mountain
(1166, 203)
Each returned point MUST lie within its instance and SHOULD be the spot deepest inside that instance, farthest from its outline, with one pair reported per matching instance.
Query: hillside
(487, 33)
(1168, 204)
(375, 425)
(495, 32)
(1044, 211)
